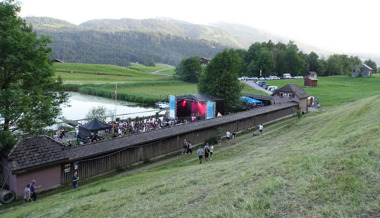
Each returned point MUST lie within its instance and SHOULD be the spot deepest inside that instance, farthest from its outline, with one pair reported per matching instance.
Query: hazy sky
(341, 26)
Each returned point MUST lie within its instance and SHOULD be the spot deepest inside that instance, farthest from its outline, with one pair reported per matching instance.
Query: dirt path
(157, 72)
(225, 146)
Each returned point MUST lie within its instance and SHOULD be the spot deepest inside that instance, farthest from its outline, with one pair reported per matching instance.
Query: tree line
(280, 58)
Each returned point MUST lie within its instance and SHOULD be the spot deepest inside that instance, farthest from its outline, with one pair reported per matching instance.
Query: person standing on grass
(207, 152)
(27, 194)
(261, 128)
(189, 150)
(234, 136)
(219, 137)
(211, 151)
(33, 188)
(200, 154)
(228, 134)
(75, 180)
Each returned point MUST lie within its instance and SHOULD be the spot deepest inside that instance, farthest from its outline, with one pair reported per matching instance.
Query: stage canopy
(92, 126)
(250, 100)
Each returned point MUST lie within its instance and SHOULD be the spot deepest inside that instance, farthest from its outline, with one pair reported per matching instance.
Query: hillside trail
(224, 146)
(157, 72)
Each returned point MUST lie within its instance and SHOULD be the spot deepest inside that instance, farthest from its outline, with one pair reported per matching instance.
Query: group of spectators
(126, 127)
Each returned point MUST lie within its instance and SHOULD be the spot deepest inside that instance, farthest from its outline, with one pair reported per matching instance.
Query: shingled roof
(34, 152)
(292, 88)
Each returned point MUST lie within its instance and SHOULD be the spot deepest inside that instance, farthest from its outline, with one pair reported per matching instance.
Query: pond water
(81, 104)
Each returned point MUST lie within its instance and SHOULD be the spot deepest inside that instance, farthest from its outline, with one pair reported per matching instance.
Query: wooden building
(364, 71)
(311, 80)
(289, 93)
(52, 165)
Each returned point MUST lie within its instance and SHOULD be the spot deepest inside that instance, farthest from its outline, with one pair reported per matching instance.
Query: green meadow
(335, 90)
(325, 164)
(135, 83)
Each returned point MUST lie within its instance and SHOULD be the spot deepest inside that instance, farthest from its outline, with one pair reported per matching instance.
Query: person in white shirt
(261, 127)
(228, 134)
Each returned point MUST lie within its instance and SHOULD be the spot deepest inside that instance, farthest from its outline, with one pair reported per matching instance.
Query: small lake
(81, 104)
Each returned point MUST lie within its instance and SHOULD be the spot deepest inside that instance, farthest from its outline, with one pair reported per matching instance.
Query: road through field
(257, 87)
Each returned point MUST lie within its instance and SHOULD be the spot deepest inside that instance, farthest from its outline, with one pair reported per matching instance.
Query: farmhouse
(289, 93)
(311, 80)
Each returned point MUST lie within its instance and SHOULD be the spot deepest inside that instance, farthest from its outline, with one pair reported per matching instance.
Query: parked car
(261, 83)
(272, 88)
(287, 76)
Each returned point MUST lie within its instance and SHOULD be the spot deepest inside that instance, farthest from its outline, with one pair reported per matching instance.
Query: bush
(299, 114)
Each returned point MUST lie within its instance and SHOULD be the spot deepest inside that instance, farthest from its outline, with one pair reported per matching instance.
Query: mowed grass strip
(322, 165)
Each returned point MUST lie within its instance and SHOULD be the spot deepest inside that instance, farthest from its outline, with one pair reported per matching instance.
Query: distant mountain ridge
(166, 40)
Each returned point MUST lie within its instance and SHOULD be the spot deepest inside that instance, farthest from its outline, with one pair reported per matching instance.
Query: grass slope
(325, 164)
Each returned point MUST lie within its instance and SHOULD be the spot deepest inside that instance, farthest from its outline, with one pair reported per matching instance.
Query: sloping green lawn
(336, 90)
(325, 164)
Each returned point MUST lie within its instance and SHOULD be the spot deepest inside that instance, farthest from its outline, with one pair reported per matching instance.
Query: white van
(287, 76)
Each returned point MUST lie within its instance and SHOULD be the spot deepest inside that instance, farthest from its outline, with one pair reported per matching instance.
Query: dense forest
(120, 42)
(121, 48)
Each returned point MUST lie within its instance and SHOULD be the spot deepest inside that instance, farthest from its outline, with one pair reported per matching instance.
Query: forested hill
(123, 41)
(88, 43)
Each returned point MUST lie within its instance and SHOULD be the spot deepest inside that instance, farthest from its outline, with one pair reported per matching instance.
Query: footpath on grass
(224, 146)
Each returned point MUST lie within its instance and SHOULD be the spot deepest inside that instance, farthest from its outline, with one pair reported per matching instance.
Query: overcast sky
(340, 26)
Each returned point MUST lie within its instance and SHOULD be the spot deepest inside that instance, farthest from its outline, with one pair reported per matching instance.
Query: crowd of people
(124, 127)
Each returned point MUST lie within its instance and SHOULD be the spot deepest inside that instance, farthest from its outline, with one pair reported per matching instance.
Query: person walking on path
(200, 154)
(219, 137)
(33, 188)
(234, 137)
(207, 152)
(228, 134)
(184, 148)
(75, 180)
(27, 194)
(189, 150)
(261, 128)
(211, 151)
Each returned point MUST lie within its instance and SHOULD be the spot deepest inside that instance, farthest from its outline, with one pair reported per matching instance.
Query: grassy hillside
(336, 90)
(323, 165)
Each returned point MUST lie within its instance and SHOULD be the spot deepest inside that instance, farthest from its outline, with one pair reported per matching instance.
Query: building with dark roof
(33, 158)
(291, 92)
(45, 160)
